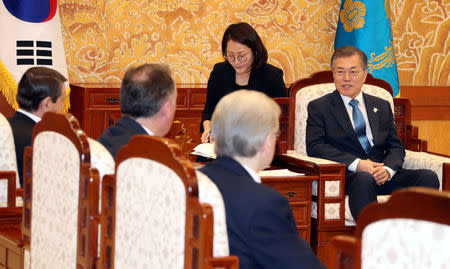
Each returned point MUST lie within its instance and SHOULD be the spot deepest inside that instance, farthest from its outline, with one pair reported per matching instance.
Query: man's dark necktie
(360, 125)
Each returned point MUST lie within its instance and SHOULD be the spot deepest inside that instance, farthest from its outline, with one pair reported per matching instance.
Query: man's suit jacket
(22, 128)
(260, 223)
(119, 135)
(330, 134)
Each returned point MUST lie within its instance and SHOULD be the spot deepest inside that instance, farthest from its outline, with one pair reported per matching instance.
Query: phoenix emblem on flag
(386, 59)
(352, 15)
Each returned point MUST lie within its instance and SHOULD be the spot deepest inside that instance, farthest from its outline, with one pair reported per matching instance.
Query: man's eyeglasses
(351, 73)
(240, 58)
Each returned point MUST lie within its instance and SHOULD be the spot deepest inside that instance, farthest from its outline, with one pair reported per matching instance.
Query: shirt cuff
(352, 167)
(391, 172)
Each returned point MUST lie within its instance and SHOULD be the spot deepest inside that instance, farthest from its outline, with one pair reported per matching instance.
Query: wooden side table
(298, 191)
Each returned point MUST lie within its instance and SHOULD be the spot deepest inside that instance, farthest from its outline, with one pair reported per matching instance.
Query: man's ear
(268, 143)
(44, 104)
(165, 109)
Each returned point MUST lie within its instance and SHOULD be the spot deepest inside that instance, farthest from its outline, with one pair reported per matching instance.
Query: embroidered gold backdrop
(102, 38)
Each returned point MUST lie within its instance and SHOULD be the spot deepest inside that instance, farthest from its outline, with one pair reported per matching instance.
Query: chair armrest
(19, 192)
(344, 252)
(10, 176)
(440, 164)
(328, 201)
(412, 142)
(230, 262)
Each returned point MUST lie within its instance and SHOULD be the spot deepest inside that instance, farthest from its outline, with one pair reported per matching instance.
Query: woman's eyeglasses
(240, 58)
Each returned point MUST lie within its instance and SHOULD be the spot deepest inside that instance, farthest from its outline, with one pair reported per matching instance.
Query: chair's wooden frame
(322, 229)
(199, 217)
(411, 203)
(87, 236)
(13, 191)
(10, 176)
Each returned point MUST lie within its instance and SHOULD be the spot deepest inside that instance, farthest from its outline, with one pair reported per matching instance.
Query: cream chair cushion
(101, 159)
(424, 160)
(209, 193)
(56, 175)
(150, 216)
(405, 243)
(8, 160)
(26, 259)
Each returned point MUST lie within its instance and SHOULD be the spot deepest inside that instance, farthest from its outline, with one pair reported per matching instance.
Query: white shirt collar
(347, 99)
(30, 115)
(149, 132)
(252, 173)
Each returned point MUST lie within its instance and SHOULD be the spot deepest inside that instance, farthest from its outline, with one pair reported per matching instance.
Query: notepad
(205, 150)
(279, 173)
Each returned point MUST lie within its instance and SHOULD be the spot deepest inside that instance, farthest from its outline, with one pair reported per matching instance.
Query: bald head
(145, 89)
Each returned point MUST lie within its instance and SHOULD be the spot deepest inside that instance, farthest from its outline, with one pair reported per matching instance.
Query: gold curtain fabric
(102, 38)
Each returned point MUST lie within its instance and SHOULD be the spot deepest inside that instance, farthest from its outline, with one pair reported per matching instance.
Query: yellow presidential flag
(31, 36)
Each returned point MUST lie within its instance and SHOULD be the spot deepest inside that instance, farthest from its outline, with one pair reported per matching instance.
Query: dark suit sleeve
(394, 151)
(274, 240)
(317, 144)
(278, 87)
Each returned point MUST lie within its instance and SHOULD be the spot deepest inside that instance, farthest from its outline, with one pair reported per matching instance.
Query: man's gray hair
(241, 122)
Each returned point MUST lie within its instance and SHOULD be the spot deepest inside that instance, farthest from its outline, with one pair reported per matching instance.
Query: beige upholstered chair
(60, 196)
(9, 178)
(101, 159)
(411, 230)
(151, 215)
(330, 213)
(208, 193)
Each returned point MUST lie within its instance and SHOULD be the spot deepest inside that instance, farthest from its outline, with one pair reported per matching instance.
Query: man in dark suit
(260, 224)
(147, 101)
(357, 129)
(40, 90)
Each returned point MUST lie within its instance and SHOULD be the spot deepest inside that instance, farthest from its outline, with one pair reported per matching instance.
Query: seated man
(40, 89)
(148, 102)
(260, 222)
(357, 129)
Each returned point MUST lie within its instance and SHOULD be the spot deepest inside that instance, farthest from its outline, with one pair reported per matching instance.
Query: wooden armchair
(9, 179)
(411, 230)
(151, 215)
(330, 213)
(59, 227)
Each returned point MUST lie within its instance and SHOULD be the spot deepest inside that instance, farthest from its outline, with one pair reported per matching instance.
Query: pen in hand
(207, 136)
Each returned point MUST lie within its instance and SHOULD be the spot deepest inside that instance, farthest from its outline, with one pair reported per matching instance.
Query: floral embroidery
(352, 15)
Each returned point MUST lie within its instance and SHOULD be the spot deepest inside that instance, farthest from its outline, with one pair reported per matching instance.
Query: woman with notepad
(245, 67)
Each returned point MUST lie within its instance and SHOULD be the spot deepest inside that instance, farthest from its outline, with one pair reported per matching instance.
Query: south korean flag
(31, 36)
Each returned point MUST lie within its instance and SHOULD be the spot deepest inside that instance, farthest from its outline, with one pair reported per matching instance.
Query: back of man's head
(145, 89)
(242, 121)
(36, 84)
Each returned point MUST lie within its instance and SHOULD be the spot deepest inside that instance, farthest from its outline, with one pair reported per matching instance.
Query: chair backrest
(209, 193)
(411, 230)
(8, 162)
(318, 84)
(101, 159)
(151, 215)
(60, 195)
